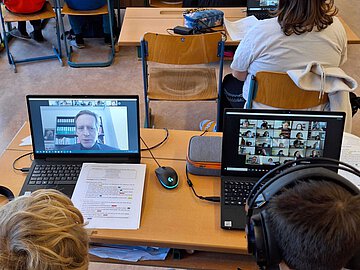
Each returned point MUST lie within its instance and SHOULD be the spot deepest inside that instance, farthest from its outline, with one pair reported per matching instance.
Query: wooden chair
(176, 78)
(100, 11)
(276, 89)
(8, 17)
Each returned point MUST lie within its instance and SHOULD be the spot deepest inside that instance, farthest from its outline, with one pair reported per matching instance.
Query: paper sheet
(25, 141)
(110, 195)
(238, 29)
(350, 153)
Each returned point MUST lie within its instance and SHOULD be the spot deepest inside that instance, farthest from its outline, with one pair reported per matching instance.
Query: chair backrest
(276, 89)
(183, 50)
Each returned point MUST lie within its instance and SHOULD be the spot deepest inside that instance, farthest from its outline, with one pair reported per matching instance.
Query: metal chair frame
(6, 26)
(69, 49)
(144, 55)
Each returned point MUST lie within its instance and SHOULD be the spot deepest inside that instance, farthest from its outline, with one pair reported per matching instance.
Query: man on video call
(87, 125)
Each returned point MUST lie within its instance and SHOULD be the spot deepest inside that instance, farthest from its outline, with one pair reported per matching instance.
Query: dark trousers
(230, 96)
(36, 24)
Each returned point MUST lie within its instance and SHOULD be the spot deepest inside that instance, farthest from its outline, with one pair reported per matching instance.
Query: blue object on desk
(129, 253)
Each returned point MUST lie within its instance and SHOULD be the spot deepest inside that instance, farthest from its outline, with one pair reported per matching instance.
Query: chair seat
(46, 12)
(181, 84)
(100, 11)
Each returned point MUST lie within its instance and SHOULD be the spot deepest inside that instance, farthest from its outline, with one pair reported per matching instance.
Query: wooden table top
(170, 218)
(138, 21)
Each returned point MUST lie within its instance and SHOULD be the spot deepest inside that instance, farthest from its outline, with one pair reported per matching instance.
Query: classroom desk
(138, 21)
(170, 218)
(175, 147)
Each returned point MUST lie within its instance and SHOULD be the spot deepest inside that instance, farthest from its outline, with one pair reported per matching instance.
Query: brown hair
(42, 231)
(316, 225)
(300, 16)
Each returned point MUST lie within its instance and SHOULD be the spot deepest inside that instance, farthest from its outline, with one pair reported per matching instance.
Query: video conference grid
(273, 142)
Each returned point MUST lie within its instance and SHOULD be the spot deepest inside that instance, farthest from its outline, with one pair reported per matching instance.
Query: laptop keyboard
(55, 174)
(237, 192)
(260, 15)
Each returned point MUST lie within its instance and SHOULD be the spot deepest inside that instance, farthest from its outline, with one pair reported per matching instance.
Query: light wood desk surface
(175, 147)
(138, 21)
(170, 218)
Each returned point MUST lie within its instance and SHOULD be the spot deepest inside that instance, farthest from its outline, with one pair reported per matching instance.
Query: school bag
(24, 6)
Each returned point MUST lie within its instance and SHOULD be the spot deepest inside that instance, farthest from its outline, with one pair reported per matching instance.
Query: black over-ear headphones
(7, 193)
(261, 242)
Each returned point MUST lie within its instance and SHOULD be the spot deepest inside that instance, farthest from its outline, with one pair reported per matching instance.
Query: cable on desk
(24, 169)
(158, 144)
(147, 148)
(206, 198)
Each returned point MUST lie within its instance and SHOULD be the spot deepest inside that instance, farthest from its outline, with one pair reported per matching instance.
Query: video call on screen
(273, 142)
(55, 130)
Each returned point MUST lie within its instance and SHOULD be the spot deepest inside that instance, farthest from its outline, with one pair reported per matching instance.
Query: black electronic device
(60, 147)
(261, 242)
(167, 177)
(256, 141)
(182, 30)
(261, 9)
(4, 191)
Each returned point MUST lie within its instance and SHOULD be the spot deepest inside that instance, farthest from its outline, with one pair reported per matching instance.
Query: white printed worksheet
(110, 195)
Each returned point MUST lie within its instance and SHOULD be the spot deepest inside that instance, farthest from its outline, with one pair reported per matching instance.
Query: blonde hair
(43, 231)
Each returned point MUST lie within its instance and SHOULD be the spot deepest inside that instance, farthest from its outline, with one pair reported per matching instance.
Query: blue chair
(178, 79)
(106, 9)
(8, 17)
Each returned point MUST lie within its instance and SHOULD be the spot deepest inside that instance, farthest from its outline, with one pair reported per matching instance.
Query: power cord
(24, 169)
(158, 144)
(206, 198)
(148, 148)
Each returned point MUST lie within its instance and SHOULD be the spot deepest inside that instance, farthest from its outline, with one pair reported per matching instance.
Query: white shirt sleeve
(246, 52)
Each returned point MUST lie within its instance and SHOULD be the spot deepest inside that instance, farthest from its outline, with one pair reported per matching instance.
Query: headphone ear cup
(7, 193)
(264, 246)
(272, 249)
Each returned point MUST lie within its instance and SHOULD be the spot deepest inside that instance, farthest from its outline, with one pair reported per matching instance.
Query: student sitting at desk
(302, 31)
(78, 22)
(26, 7)
(43, 231)
(313, 235)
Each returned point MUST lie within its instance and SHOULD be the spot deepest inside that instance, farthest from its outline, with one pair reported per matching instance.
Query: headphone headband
(307, 163)
(261, 241)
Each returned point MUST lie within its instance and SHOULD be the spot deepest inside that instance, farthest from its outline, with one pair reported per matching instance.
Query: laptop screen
(255, 5)
(79, 126)
(255, 141)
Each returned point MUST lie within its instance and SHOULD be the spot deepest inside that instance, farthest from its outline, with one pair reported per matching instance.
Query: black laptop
(260, 8)
(255, 141)
(107, 130)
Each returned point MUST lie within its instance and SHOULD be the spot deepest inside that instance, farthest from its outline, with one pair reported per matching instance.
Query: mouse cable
(150, 152)
(206, 198)
(25, 169)
(158, 144)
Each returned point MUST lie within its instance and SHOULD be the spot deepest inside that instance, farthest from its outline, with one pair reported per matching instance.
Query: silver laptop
(67, 131)
(256, 141)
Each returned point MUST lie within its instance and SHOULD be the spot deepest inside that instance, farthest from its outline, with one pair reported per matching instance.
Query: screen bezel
(85, 155)
(230, 156)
